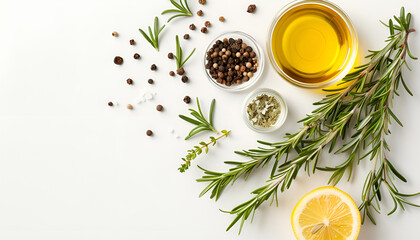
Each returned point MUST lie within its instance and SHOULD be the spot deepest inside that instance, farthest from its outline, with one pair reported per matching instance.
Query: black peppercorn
(184, 79)
(149, 133)
(153, 67)
(187, 99)
(129, 81)
(132, 42)
(110, 104)
(170, 55)
(180, 71)
(118, 60)
(251, 8)
(136, 56)
(150, 81)
(186, 36)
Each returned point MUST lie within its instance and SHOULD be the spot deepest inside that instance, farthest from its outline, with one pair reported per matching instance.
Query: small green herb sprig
(181, 10)
(178, 57)
(153, 37)
(201, 122)
(197, 150)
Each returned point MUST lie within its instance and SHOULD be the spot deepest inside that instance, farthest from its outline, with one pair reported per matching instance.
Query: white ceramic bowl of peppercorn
(264, 110)
(233, 61)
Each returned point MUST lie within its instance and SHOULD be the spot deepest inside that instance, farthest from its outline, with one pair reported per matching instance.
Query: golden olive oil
(310, 43)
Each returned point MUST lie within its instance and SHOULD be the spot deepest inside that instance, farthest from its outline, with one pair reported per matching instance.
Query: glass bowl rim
(282, 117)
(259, 54)
(353, 35)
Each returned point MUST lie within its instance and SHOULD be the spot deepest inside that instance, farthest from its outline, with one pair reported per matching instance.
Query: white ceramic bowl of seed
(264, 110)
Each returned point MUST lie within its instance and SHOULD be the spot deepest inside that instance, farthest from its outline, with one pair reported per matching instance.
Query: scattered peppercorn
(170, 55)
(153, 67)
(150, 81)
(136, 56)
(251, 8)
(192, 26)
(186, 36)
(180, 71)
(118, 60)
(207, 23)
(129, 81)
(222, 19)
(200, 13)
(149, 133)
(129, 106)
(184, 79)
(132, 42)
(110, 104)
(171, 73)
(204, 30)
(159, 107)
(202, 2)
(115, 34)
(187, 99)
(231, 61)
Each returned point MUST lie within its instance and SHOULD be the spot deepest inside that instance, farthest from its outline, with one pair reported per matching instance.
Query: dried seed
(150, 81)
(129, 107)
(202, 2)
(170, 55)
(159, 107)
(129, 81)
(251, 8)
(222, 19)
(207, 23)
(118, 60)
(115, 34)
(200, 13)
(171, 73)
(153, 67)
(180, 71)
(132, 42)
(184, 79)
(192, 27)
(110, 104)
(186, 36)
(149, 133)
(136, 56)
(204, 30)
(187, 99)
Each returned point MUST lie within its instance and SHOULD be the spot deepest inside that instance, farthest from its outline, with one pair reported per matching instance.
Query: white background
(73, 168)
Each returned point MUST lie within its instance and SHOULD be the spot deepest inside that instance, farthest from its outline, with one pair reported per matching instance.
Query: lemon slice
(326, 213)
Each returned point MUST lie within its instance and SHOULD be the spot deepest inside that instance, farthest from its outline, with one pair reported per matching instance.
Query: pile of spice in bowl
(233, 61)
(264, 110)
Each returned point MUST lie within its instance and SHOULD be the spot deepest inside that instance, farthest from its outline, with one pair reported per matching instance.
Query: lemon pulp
(325, 214)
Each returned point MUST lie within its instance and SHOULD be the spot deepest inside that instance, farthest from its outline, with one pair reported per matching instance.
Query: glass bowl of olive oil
(312, 43)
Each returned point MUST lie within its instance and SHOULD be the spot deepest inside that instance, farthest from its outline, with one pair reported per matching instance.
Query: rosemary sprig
(178, 57)
(181, 10)
(368, 100)
(153, 37)
(197, 150)
(201, 122)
